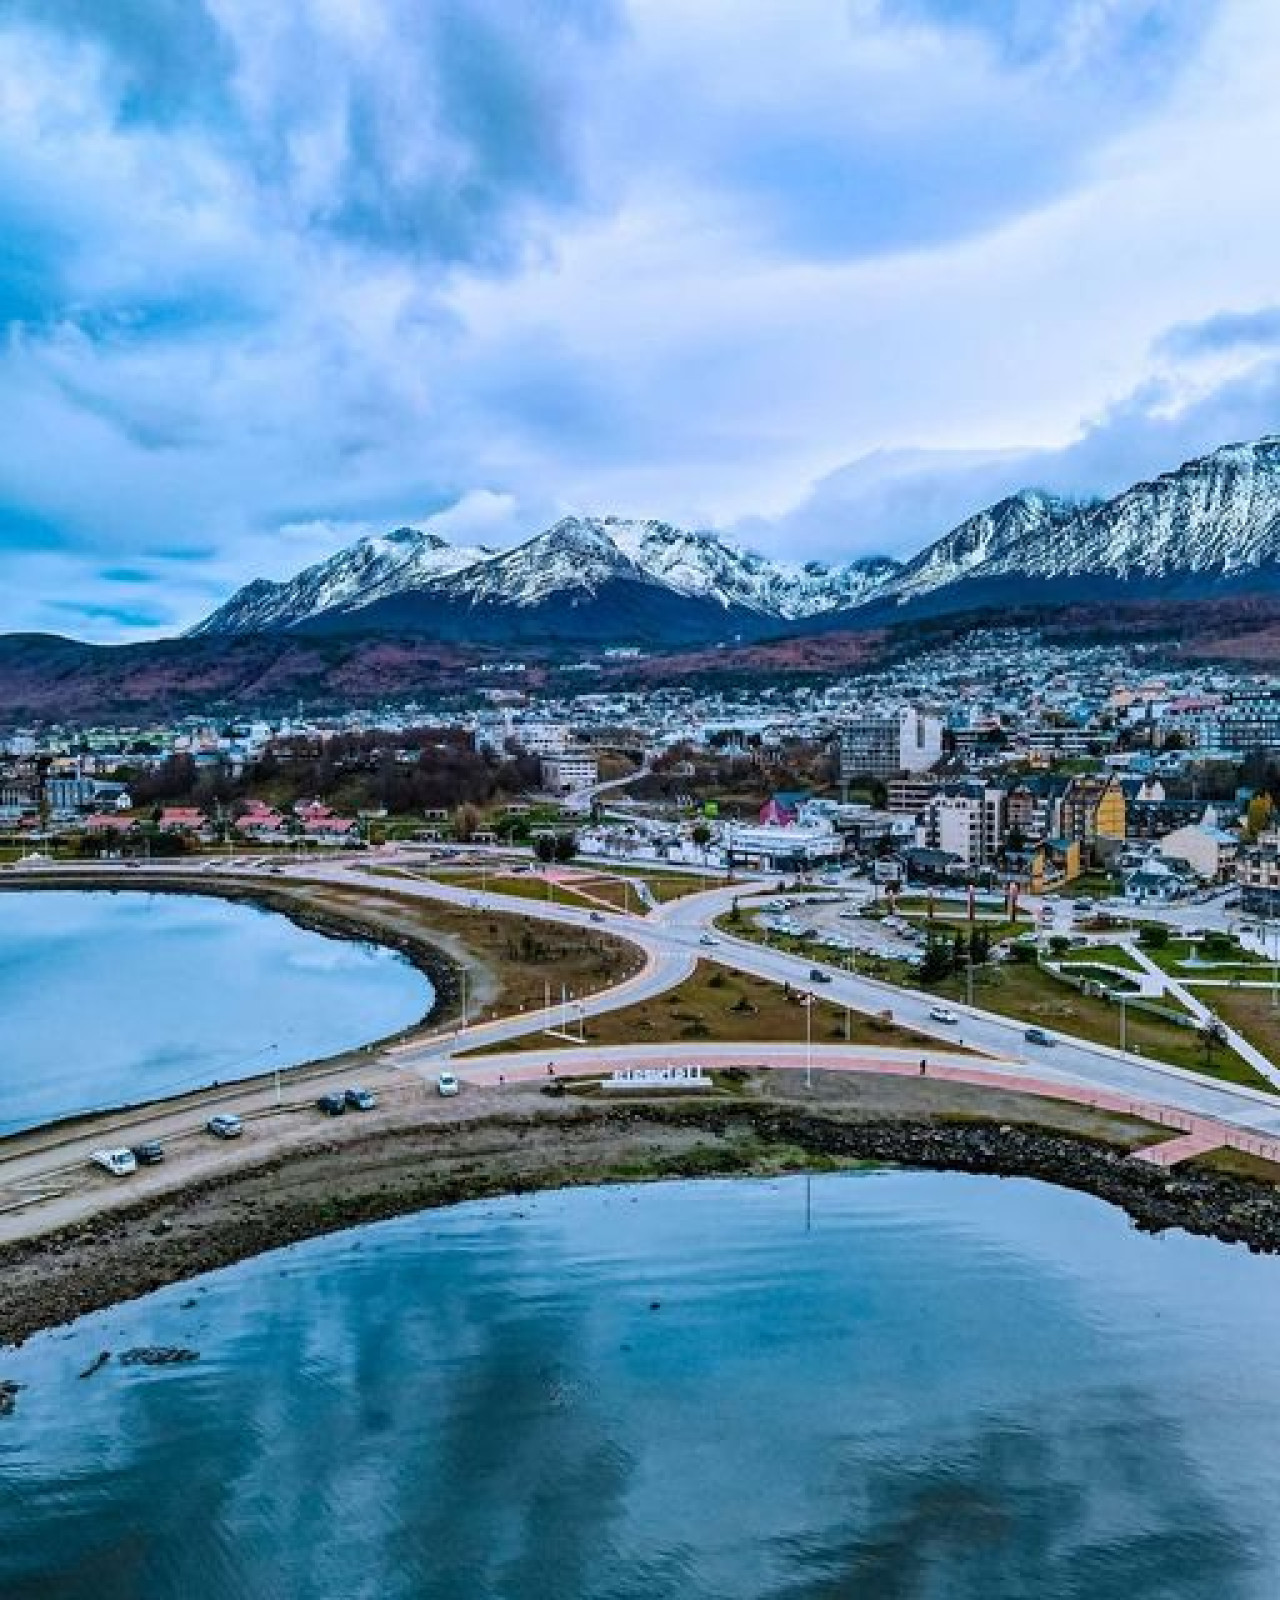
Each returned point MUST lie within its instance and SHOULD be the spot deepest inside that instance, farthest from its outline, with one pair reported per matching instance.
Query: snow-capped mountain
(409, 577)
(1211, 525)
(702, 564)
(372, 568)
(997, 534)
(1217, 517)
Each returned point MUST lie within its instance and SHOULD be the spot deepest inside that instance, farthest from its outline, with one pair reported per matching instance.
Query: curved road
(673, 939)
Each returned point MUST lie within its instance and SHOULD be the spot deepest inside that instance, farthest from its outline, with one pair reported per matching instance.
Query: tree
(466, 819)
(549, 847)
(1154, 935)
(938, 960)
(1258, 815)
(700, 833)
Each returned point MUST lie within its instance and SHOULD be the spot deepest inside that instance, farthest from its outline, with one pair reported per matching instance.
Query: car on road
(226, 1125)
(119, 1163)
(708, 939)
(597, 916)
(447, 1083)
(150, 1153)
(943, 1014)
(817, 975)
(333, 1105)
(1040, 1037)
(361, 1099)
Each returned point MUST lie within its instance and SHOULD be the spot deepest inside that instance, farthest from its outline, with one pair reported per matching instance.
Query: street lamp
(807, 1002)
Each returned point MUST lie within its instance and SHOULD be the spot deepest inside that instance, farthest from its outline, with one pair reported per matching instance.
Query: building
(786, 849)
(1210, 851)
(542, 738)
(968, 821)
(1244, 722)
(883, 746)
(1258, 874)
(569, 772)
(909, 796)
(1090, 811)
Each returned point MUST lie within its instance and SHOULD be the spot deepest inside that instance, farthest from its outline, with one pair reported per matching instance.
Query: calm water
(106, 998)
(950, 1387)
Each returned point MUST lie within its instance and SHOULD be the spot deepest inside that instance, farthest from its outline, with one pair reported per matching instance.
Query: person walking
(923, 1066)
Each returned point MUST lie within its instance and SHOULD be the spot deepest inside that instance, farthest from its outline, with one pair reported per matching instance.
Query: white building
(778, 849)
(882, 746)
(1210, 851)
(542, 738)
(575, 769)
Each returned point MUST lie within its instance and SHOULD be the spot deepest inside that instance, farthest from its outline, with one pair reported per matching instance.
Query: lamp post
(1123, 1014)
(808, 1041)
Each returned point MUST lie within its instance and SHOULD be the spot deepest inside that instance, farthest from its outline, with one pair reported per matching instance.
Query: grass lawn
(1172, 957)
(734, 1007)
(1251, 1013)
(1029, 994)
(519, 953)
(1106, 955)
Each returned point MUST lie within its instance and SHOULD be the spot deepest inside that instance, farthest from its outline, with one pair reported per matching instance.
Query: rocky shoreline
(53, 1279)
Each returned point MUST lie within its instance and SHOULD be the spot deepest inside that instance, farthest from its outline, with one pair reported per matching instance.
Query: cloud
(1227, 330)
(833, 272)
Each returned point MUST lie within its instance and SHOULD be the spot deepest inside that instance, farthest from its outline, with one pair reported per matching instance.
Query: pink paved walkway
(1193, 1135)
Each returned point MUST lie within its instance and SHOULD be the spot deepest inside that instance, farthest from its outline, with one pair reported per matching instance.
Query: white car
(941, 1014)
(447, 1083)
(707, 939)
(119, 1163)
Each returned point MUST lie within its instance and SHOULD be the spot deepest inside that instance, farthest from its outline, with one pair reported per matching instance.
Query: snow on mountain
(1213, 521)
(576, 557)
(371, 569)
(1217, 517)
(704, 565)
(1000, 533)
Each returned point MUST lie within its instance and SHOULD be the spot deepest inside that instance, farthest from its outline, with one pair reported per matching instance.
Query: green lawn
(1030, 994)
(1107, 955)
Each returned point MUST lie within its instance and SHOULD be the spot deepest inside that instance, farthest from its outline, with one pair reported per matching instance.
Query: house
(1210, 851)
(1157, 882)
(181, 819)
(1092, 808)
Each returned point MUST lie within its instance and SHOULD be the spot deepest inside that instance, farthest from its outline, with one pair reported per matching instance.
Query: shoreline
(521, 1142)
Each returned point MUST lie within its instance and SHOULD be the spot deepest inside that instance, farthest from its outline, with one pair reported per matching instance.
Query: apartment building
(573, 770)
(886, 745)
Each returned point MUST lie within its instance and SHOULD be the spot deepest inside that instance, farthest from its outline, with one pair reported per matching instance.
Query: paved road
(672, 939)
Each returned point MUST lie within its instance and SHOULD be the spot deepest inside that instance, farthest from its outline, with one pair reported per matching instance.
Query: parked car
(1040, 1037)
(333, 1105)
(817, 975)
(226, 1125)
(942, 1014)
(150, 1153)
(119, 1163)
(361, 1099)
(447, 1083)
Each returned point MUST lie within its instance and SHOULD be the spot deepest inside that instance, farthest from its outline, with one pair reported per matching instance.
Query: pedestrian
(923, 1066)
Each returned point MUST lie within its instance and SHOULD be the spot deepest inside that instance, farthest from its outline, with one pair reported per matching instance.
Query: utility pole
(808, 1041)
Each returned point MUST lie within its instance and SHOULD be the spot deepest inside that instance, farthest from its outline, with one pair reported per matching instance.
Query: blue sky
(824, 274)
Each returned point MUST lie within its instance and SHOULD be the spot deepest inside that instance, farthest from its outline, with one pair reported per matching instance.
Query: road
(673, 938)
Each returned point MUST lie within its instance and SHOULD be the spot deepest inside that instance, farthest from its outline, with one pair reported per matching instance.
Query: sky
(824, 275)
